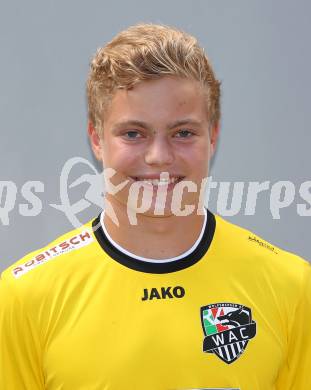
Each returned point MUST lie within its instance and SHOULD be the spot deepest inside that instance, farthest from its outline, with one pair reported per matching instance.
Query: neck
(154, 237)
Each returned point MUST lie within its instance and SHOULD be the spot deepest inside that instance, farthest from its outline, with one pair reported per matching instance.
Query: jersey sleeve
(296, 372)
(20, 366)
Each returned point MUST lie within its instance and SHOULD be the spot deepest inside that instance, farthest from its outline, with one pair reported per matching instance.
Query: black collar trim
(157, 268)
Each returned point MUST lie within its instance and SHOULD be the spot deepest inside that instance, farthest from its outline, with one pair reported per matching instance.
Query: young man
(156, 293)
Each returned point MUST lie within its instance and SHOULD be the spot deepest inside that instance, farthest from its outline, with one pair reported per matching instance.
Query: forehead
(165, 99)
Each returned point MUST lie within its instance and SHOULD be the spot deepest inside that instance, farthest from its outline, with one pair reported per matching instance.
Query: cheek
(197, 158)
(119, 156)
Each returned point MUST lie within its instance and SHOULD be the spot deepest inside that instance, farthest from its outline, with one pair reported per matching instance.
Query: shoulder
(262, 259)
(56, 254)
(41, 282)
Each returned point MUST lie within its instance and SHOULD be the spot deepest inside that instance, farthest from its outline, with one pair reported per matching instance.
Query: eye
(131, 134)
(184, 133)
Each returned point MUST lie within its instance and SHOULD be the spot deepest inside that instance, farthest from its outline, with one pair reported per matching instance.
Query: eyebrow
(145, 125)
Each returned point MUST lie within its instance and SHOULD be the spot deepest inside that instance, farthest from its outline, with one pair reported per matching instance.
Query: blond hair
(145, 52)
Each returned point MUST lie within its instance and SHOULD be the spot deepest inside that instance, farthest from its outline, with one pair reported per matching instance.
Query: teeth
(157, 182)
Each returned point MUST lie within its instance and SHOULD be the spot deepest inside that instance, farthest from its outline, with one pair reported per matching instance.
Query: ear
(214, 137)
(95, 141)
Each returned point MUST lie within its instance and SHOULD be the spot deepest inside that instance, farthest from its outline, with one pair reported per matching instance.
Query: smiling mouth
(158, 182)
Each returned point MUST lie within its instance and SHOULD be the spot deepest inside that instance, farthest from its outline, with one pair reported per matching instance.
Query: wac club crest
(227, 328)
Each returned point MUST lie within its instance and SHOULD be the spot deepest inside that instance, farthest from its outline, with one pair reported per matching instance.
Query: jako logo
(163, 293)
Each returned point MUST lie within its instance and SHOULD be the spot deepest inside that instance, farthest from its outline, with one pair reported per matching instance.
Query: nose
(159, 152)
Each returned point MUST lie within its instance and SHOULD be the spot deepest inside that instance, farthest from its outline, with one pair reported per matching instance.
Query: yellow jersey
(79, 314)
